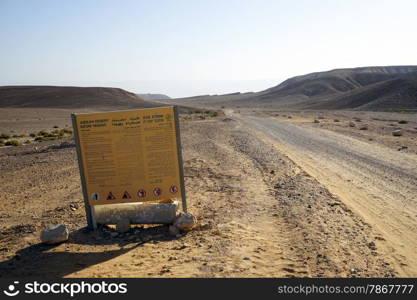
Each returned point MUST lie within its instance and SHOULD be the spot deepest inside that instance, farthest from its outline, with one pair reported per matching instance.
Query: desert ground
(274, 194)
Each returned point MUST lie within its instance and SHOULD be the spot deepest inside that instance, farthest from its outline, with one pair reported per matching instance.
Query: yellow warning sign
(129, 156)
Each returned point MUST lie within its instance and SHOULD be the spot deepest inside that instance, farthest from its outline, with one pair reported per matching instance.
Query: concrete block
(136, 213)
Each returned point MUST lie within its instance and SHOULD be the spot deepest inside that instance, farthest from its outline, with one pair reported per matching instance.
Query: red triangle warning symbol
(110, 196)
(126, 195)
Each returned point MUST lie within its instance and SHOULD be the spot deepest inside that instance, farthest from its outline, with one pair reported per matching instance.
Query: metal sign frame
(89, 209)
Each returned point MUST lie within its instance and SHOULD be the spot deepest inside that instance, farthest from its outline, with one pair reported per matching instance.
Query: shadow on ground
(55, 261)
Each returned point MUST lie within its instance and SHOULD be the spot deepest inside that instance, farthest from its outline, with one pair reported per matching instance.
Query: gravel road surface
(378, 183)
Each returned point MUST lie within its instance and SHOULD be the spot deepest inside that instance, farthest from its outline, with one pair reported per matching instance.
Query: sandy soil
(27, 120)
(377, 182)
(380, 125)
(259, 215)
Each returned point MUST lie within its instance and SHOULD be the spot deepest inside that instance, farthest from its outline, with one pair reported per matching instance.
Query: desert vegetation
(7, 139)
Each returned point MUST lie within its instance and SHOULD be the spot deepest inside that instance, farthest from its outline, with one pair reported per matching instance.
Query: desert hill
(367, 88)
(69, 97)
(339, 80)
(391, 94)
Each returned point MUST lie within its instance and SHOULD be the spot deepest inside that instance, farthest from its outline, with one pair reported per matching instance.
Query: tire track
(379, 184)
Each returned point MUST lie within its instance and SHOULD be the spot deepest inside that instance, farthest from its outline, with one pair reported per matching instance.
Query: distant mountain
(151, 97)
(398, 93)
(69, 97)
(100, 98)
(366, 88)
(339, 80)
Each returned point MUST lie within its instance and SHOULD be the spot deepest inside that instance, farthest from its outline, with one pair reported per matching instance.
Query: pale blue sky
(184, 48)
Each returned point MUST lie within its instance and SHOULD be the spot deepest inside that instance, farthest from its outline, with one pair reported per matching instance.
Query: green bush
(4, 136)
(56, 126)
(45, 138)
(42, 133)
(32, 134)
(402, 122)
(28, 142)
(40, 139)
(13, 143)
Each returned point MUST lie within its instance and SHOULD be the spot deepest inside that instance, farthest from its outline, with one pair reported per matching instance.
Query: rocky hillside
(69, 97)
(389, 88)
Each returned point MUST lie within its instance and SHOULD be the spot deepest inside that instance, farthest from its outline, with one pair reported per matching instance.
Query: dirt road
(259, 215)
(377, 183)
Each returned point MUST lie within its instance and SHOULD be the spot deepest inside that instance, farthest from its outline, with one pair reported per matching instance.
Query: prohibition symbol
(110, 196)
(95, 196)
(126, 195)
(173, 189)
(157, 191)
(141, 193)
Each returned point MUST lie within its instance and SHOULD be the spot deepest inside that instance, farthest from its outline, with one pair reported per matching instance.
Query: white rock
(184, 221)
(398, 132)
(54, 234)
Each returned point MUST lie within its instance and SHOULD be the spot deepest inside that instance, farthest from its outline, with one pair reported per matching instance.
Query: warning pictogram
(95, 196)
(173, 189)
(126, 195)
(141, 193)
(157, 191)
(110, 196)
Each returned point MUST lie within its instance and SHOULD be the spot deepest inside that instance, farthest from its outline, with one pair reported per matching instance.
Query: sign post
(129, 156)
(181, 169)
(88, 209)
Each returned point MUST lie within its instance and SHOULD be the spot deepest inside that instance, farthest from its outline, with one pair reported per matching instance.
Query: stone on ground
(398, 132)
(54, 234)
(184, 221)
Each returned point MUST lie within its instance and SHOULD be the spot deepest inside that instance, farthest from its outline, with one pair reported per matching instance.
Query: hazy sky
(184, 48)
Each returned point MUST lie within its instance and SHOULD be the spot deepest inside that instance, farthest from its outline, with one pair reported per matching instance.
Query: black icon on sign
(126, 195)
(110, 196)
(141, 193)
(95, 196)
(157, 191)
(173, 189)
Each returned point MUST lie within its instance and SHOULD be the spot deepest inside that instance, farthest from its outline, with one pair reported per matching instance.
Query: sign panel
(130, 156)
